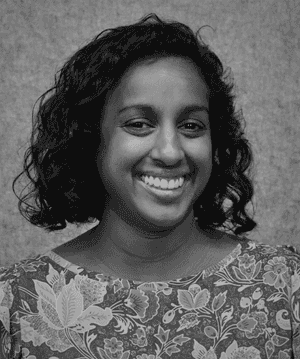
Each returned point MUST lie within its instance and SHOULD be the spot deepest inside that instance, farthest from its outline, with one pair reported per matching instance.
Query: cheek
(200, 151)
(123, 153)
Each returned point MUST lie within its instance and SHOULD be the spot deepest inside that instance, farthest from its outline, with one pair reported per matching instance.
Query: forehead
(169, 75)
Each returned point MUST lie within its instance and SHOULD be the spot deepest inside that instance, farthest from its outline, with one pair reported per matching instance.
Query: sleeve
(10, 334)
(295, 302)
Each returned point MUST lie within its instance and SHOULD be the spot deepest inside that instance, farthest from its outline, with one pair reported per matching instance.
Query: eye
(136, 125)
(191, 128)
(195, 126)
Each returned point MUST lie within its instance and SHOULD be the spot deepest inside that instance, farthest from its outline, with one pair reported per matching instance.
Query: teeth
(163, 183)
(172, 184)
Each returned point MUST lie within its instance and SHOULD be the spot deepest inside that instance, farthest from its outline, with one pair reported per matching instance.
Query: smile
(162, 183)
(155, 186)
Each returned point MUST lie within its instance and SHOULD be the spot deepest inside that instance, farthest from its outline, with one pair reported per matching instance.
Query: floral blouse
(246, 307)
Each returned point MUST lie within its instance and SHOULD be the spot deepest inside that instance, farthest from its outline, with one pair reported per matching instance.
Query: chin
(165, 220)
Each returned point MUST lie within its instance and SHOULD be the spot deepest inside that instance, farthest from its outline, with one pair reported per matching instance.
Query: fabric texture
(246, 307)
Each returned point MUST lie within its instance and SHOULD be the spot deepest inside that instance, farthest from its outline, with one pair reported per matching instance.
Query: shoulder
(20, 269)
(22, 275)
(282, 252)
(278, 258)
(14, 281)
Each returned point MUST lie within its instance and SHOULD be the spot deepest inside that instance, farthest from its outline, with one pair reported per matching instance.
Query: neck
(137, 247)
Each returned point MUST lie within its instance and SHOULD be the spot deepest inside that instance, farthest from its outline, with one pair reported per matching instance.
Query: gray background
(258, 39)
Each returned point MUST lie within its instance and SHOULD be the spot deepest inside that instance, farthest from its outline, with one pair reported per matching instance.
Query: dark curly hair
(66, 136)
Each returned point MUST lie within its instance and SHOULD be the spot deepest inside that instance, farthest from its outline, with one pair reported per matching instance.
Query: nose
(167, 147)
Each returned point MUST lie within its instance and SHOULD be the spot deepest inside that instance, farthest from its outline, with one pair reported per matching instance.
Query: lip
(165, 195)
(164, 175)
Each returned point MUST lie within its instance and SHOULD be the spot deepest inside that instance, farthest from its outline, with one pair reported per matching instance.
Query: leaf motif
(240, 289)
(199, 351)
(172, 349)
(238, 273)
(152, 308)
(147, 287)
(90, 338)
(102, 353)
(275, 297)
(77, 339)
(49, 314)
(219, 301)
(45, 291)
(123, 325)
(25, 305)
(227, 315)
(201, 299)
(69, 304)
(125, 355)
(95, 315)
(185, 299)
(233, 347)
(53, 275)
(283, 323)
(269, 348)
(210, 332)
(180, 339)
(296, 311)
(257, 269)
(220, 282)
(278, 340)
(168, 317)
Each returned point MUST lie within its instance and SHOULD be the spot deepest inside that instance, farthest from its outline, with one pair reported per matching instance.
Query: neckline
(58, 259)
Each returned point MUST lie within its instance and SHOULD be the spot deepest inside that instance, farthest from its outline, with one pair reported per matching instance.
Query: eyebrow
(148, 108)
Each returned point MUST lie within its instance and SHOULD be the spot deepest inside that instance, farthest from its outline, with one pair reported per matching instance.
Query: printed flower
(248, 271)
(145, 356)
(117, 354)
(246, 260)
(140, 342)
(138, 302)
(233, 352)
(253, 324)
(93, 292)
(61, 314)
(275, 275)
(246, 323)
(103, 278)
(139, 338)
(113, 344)
(267, 249)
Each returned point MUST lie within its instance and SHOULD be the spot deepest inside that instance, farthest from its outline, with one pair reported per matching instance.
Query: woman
(141, 134)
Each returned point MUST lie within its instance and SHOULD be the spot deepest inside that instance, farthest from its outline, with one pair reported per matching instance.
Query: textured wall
(258, 39)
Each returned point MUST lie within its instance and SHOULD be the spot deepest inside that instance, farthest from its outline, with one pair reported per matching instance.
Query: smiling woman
(140, 132)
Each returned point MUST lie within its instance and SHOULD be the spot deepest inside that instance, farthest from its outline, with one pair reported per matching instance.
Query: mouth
(155, 188)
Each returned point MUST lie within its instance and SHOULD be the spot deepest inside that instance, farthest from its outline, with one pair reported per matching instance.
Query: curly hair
(65, 140)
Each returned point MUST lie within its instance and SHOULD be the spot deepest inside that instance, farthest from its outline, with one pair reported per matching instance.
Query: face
(157, 134)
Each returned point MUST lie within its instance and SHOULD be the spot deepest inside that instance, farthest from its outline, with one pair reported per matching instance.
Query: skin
(141, 236)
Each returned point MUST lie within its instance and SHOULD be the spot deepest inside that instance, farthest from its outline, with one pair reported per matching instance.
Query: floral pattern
(246, 307)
